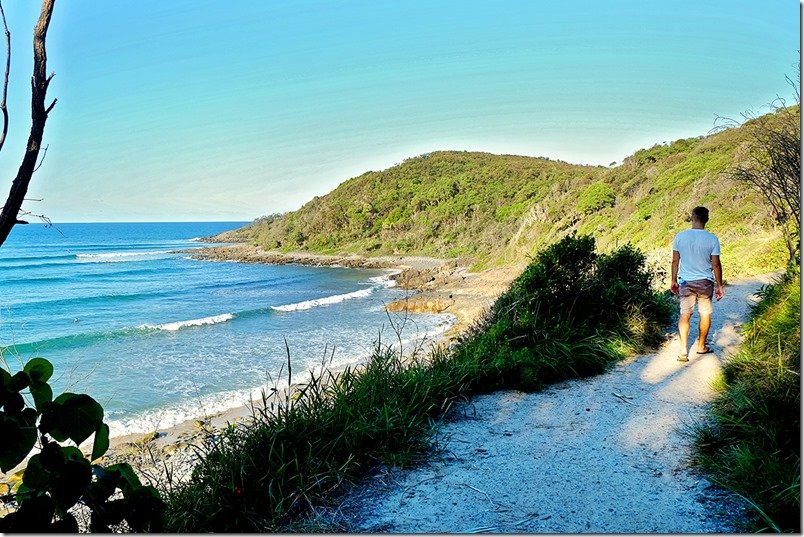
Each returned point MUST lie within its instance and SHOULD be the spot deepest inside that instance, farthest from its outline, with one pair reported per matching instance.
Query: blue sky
(201, 110)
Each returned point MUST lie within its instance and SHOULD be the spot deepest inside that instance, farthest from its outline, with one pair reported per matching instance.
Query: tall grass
(571, 313)
(753, 443)
(266, 474)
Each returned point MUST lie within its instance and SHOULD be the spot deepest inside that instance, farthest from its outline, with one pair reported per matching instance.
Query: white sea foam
(385, 280)
(212, 404)
(115, 257)
(209, 405)
(178, 325)
(334, 299)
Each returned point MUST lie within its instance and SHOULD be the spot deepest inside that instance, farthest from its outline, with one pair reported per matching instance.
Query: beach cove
(433, 285)
(111, 303)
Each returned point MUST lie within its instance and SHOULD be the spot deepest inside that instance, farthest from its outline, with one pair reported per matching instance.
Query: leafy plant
(570, 313)
(58, 478)
(264, 475)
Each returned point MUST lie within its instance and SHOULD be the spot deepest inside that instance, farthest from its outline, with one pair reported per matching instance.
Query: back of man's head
(701, 214)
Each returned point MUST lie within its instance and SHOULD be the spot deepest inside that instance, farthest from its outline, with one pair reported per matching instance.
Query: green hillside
(500, 209)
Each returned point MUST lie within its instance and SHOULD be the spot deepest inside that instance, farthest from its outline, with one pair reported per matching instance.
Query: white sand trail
(608, 454)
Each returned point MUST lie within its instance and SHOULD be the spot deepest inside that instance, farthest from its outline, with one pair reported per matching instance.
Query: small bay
(158, 337)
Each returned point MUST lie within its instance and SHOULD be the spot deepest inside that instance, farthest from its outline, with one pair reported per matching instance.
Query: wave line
(334, 299)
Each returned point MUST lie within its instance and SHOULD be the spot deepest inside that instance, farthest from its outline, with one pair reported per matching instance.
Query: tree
(771, 163)
(10, 214)
(56, 477)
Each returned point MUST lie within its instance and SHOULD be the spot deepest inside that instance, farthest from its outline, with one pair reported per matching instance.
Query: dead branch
(5, 78)
(39, 85)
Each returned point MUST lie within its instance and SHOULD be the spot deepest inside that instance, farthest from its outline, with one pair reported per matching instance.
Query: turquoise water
(157, 337)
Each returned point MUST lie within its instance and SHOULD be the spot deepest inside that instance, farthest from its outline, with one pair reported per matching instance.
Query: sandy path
(573, 458)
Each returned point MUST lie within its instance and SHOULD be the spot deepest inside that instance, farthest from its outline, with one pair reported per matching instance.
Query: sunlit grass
(752, 445)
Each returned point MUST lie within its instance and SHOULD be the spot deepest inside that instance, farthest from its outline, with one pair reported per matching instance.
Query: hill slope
(499, 209)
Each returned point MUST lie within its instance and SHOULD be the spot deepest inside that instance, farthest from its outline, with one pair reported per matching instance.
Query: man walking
(695, 271)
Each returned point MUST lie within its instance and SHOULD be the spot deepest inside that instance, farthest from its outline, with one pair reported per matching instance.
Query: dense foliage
(57, 477)
(499, 209)
(571, 313)
(597, 196)
(445, 204)
(753, 443)
(265, 475)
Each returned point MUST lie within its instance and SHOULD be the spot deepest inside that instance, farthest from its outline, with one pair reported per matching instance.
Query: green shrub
(596, 196)
(570, 313)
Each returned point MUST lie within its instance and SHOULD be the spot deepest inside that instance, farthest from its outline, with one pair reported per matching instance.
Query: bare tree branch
(39, 84)
(5, 78)
(44, 154)
(771, 163)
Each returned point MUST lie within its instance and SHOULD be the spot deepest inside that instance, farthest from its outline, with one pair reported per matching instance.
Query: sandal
(706, 350)
(682, 358)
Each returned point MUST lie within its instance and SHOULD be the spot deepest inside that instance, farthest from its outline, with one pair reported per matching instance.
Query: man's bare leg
(703, 331)
(684, 332)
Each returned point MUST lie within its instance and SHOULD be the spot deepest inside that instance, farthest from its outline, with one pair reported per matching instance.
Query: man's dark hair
(701, 214)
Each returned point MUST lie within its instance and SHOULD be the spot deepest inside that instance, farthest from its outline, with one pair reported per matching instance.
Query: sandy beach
(435, 285)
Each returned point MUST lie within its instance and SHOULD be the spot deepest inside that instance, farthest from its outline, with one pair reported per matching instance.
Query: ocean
(158, 337)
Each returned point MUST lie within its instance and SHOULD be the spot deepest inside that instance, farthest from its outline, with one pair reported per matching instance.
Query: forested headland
(498, 210)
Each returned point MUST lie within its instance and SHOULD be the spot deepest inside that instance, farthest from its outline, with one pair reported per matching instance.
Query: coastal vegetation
(59, 484)
(496, 210)
(562, 318)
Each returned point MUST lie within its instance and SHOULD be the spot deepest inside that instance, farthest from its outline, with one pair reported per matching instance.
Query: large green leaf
(36, 476)
(5, 380)
(73, 416)
(42, 393)
(69, 484)
(130, 480)
(18, 438)
(52, 456)
(34, 515)
(19, 381)
(14, 403)
(39, 369)
(101, 443)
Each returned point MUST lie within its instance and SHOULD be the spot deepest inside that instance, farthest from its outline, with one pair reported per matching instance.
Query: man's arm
(717, 270)
(674, 272)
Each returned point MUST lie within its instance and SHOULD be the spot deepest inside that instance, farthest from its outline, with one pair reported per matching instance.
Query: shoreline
(437, 286)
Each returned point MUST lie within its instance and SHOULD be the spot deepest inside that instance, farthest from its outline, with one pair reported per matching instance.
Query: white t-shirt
(696, 247)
